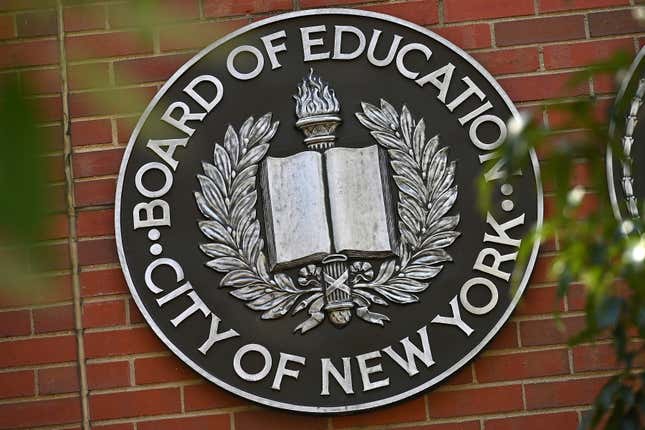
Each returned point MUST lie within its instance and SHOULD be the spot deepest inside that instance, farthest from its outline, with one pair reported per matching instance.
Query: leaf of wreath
(424, 178)
(227, 199)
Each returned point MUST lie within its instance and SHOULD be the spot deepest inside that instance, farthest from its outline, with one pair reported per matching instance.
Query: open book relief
(319, 204)
(326, 210)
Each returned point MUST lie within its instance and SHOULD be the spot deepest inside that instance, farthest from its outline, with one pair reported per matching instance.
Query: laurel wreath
(426, 194)
(229, 196)
(228, 199)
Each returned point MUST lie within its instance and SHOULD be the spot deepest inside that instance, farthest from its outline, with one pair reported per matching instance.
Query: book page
(359, 202)
(295, 209)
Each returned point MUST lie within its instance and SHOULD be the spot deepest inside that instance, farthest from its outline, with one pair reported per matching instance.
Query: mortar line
(71, 220)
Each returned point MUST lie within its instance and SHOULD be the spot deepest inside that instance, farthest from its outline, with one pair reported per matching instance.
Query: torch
(317, 109)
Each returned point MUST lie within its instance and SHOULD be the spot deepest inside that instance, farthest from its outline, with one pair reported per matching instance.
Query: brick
(104, 314)
(506, 338)
(97, 251)
(463, 376)
(91, 132)
(129, 15)
(208, 396)
(102, 282)
(110, 101)
(122, 426)
(57, 318)
(48, 108)
(409, 411)
(84, 17)
(55, 168)
(577, 297)
(38, 23)
(557, 394)
(9, 79)
(124, 128)
(88, 75)
(614, 22)
(532, 364)
(95, 223)
(30, 351)
(539, 30)
(218, 8)
(41, 291)
(587, 207)
(604, 83)
(456, 10)
(148, 69)
(475, 401)
(196, 35)
(15, 323)
(114, 343)
(583, 54)
(56, 198)
(50, 257)
(7, 27)
(111, 374)
(470, 36)
(503, 61)
(104, 45)
(58, 380)
(539, 301)
(40, 413)
(563, 420)
(466, 425)
(26, 4)
(542, 87)
(17, 384)
(323, 3)
(421, 12)
(560, 116)
(560, 5)
(56, 227)
(594, 357)
(219, 422)
(134, 403)
(549, 332)
(43, 81)
(268, 419)
(92, 193)
(97, 163)
(581, 174)
(135, 314)
(161, 369)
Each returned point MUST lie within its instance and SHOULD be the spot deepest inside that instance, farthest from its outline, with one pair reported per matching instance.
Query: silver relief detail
(228, 199)
(332, 281)
(356, 406)
(317, 110)
(627, 179)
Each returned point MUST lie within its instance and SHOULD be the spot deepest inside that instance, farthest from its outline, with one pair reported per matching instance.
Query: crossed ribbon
(337, 284)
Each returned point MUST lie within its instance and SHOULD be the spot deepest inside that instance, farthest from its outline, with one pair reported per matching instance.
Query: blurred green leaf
(23, 168)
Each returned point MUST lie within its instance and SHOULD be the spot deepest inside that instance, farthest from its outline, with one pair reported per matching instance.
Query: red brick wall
(527, 378)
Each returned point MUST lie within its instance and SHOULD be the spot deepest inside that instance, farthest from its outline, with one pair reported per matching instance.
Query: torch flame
(315, 97)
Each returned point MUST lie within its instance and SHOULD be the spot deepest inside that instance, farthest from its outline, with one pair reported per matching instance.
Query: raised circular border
(609, 158)
(335, 409)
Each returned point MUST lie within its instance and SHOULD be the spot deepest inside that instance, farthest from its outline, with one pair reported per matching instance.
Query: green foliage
(596, 250)
(22, 168)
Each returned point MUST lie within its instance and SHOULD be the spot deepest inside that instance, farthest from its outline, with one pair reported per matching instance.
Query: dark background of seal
(353, 81)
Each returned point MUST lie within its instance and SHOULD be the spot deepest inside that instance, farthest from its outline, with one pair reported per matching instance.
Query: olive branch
(426, 194)
(228, 199)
